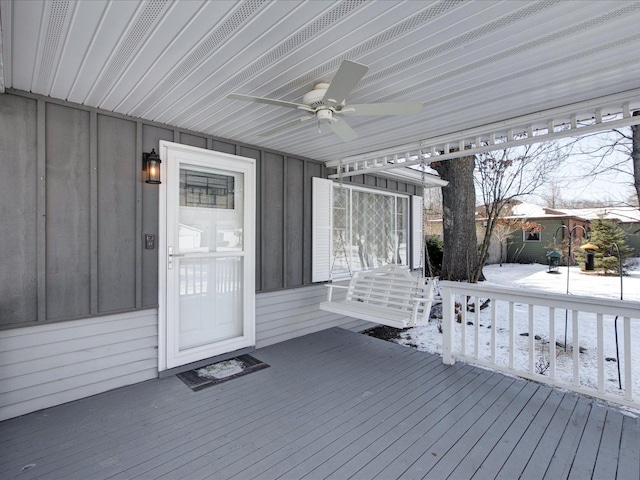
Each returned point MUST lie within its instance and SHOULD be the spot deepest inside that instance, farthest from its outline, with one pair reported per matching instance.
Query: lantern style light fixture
(151, 167)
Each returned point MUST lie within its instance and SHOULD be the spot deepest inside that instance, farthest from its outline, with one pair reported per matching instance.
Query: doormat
(204, 377)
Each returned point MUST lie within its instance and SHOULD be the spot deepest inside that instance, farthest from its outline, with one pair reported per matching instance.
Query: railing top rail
(622, 308)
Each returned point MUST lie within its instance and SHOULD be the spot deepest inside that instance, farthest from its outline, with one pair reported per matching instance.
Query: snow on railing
(532, 334)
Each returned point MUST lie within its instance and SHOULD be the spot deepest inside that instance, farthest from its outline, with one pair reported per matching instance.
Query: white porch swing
(389, 295)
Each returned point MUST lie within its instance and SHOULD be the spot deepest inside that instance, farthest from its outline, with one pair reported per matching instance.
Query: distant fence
(533, 335)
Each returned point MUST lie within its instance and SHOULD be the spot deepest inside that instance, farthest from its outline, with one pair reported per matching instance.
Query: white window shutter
(417, 231)
(321, 226)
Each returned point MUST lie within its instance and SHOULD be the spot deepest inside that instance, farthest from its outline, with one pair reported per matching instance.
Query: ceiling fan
(327, 103)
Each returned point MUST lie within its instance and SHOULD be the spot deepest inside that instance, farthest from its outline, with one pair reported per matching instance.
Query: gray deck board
(422, 457)
(357, 446)
(525, 447)
(334, 404)
(446, 461)
(587, 452)
(334, 424)
(538, 463)
(607, 454)
(398, 456)
(559, 466)
(471, 453)
(511, 435)
(629, 455)
(322, 405)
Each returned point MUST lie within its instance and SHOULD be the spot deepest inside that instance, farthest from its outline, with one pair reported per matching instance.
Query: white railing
(531, 334)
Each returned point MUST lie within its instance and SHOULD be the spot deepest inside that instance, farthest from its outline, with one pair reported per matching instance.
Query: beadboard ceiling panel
(470, 63)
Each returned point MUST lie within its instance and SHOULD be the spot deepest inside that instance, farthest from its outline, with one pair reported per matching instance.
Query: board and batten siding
(46, 365)
(75, 210)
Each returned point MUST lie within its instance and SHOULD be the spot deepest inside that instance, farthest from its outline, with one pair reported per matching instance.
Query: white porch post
(448, 324)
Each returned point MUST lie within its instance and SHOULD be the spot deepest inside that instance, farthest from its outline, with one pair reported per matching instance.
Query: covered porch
(333, 404)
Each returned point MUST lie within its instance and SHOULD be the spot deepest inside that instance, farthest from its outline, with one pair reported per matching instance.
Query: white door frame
(248, 167)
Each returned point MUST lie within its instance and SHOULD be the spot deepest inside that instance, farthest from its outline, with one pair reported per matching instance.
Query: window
(356, 228)
(370, 229)
(530, 235)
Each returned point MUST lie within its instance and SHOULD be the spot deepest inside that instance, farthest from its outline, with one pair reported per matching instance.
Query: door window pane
(210, 300)
(210, 212)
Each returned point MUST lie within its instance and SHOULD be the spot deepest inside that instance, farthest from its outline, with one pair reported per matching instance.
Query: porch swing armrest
(331, 286)
(421, 299)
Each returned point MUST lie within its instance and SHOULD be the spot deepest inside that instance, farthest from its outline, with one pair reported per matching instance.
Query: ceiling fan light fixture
(324, 115)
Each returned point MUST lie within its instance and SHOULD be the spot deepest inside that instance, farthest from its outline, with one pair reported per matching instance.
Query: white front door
(207, 254)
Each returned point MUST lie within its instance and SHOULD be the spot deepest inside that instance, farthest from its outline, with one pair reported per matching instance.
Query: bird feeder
(553, 258)
(589, 256)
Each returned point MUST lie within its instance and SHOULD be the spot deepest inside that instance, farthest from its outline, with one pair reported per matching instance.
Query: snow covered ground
(535, 277)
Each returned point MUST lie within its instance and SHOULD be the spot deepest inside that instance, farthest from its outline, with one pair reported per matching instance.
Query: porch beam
(534, 128)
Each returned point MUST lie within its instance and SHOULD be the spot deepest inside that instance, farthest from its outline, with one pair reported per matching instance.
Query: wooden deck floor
(333, 405)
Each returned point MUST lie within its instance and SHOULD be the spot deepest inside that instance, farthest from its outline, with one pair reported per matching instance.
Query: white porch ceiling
(472, 63)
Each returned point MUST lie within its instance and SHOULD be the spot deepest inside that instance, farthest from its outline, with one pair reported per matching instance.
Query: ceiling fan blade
(345, 80)
(284, 126)
(407, 108)
(268, 101)
(344, 131)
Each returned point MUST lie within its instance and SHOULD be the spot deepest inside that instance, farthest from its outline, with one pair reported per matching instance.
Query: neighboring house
(514, 245)
(555, 227)
(529, 247)
(525, 246)
(627, 218)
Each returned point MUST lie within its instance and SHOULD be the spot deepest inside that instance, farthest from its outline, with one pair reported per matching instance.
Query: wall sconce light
(151, 166)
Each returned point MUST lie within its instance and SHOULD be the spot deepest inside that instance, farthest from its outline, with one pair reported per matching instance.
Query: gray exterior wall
(75, 208)
(50, 364)
(78, 292)
(287, 314)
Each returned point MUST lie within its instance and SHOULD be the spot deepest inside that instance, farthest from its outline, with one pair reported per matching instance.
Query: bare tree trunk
(635, 156)
(460, 252)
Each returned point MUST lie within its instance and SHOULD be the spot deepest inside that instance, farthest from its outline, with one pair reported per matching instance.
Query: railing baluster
(600, 334)
(493, 331)
(628, 380)
(576, 348)
(476, 320)
(463, 325)
(512, 338)
(532, 342)
(552, 343)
